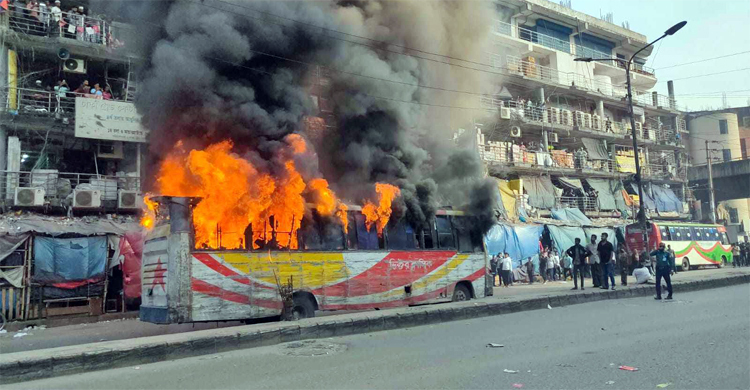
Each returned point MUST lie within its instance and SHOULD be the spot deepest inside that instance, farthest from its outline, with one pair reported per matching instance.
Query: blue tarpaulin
(69, 259)
(564, 236)
(666, 200)
(648, 201)
(521, 242)
(571, 214)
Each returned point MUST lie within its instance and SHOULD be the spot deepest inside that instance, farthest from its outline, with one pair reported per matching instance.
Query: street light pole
(642, 210)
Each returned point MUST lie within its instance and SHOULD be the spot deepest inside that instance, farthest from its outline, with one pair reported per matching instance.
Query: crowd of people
(46, 18)
(598, 260)
(741, 254)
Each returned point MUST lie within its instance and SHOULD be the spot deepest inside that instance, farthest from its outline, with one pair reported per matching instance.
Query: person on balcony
(84, 88)
(107, 94)
(97, 91)
(55, 19)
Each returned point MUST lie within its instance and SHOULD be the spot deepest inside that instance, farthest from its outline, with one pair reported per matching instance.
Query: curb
(52, 362)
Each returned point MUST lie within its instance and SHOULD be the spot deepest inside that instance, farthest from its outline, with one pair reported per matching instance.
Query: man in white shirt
(596, 272)
(56, 16)
(506, 266)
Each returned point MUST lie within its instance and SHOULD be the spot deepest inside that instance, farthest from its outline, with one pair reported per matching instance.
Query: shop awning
(573, 184)
(666, 200)
(595, 149)
(508, 198)
(540, 190)
(572, 215)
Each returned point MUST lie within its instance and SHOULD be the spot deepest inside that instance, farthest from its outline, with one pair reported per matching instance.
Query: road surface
(700, 340)
(132, 328)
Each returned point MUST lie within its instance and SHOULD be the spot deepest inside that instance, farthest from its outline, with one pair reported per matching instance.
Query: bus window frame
(665, 237)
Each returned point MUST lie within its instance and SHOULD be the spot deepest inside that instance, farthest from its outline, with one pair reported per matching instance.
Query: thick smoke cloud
(230, 70)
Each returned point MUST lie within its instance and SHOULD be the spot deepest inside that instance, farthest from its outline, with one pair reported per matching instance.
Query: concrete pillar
(3, 149)
(670, 92)
(655, 99)
(600, 110)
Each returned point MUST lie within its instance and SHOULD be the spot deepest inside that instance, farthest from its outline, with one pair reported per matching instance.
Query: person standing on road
(623, 260)
(551, 266)
(543, 257)
(596, 272)
(579, 254)
(664, 268)
(494, 269)
(506, 266)
(736, 255)
(567, 263)
(606, 251)
(530, 270)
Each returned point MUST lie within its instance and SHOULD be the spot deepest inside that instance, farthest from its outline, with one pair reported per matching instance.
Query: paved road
(700, 340)
(132, 328)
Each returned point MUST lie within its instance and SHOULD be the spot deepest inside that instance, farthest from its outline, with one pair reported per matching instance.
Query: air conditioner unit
(587, 121)
(29, 197)
(553, 115)
(87, 199)
(638, 126)
(566, 118)
(596, 122)
(129, 200)
(578, 117)
(515, 131)
(504, 113)
(553, 138)
(74, 65)
(110, 150)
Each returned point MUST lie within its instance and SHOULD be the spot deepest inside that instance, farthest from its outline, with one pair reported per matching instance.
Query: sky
(715, 28)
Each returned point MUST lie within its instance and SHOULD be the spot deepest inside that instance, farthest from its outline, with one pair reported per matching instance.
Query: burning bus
(356, 268)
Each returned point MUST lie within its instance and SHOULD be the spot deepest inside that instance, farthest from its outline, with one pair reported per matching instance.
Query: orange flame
(234, 194)
(380, 214)
(149, 212)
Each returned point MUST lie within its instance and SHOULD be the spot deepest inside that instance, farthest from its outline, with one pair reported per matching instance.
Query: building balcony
(524, 34)
(42, 103)
(86, 30)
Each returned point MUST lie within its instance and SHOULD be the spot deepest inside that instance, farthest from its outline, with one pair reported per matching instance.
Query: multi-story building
(70, 144)
(558, 130)
(722, 135)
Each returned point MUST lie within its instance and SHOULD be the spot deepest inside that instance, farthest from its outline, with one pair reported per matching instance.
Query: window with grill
(723, 129)
(734, 216)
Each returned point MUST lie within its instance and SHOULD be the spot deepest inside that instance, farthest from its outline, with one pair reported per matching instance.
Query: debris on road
(628, 368)
(137, 368)
(19, 334)
(610, 382)
(662, 385)
(548, 306)
(493, 345)
(510, 371)
(518, 385)
(2, 331)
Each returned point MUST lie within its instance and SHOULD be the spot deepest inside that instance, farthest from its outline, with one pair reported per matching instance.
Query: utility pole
(711, 184)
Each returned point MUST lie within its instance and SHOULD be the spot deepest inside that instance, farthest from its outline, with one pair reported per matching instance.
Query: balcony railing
(67, 25)
(583, 203)
(525, 34)
(586, 52)
(25, 101)
(59, 185)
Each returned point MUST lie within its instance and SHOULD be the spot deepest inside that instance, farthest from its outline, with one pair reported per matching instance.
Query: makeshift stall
(14, 276)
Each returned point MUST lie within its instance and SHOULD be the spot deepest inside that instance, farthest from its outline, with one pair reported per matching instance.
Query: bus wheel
(303, 307)
(685, 264)
(723, 262)
(461, 293)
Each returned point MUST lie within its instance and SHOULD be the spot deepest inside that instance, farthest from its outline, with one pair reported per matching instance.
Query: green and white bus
(694, 244)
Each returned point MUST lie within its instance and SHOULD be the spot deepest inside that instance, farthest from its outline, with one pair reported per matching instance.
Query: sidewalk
(73, 359)
(133, 328)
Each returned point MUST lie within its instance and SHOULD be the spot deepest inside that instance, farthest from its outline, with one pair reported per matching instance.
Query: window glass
(318, 234)
(401, 236)
(726, 154)
(664, 233)
(366, 239)
(674, 233)
(723, 129)
(698, 233)
(444, 231)
(686, 234)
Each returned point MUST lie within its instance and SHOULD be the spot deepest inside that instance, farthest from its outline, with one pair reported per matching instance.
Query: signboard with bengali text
(108, 120)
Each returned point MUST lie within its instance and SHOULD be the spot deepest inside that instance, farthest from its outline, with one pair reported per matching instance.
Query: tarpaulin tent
(130, 254)
(564, 236)
(609, 194)
(541, 191)
(521, 242)
(571, 214)
(62, 260)
(595, 149)
(666, 200)
(13, 272)
(508, 198)
(648, 201)
(573, 184)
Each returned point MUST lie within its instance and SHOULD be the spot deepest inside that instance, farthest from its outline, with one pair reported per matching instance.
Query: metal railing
(526, 34)
(509, 153)
(59, 185)
(43, 22)
(27, 101)
(587, 52)
(583, 203)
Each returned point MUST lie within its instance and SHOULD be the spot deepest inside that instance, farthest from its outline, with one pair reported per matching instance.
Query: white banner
(108, 120)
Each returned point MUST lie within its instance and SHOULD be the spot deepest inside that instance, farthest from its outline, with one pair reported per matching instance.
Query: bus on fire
(331, 269)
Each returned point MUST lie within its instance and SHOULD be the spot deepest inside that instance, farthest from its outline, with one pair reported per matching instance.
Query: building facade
(557, 131)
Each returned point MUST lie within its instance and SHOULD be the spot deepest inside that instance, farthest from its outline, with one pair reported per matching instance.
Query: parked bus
(694, 244)
(359, 270)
